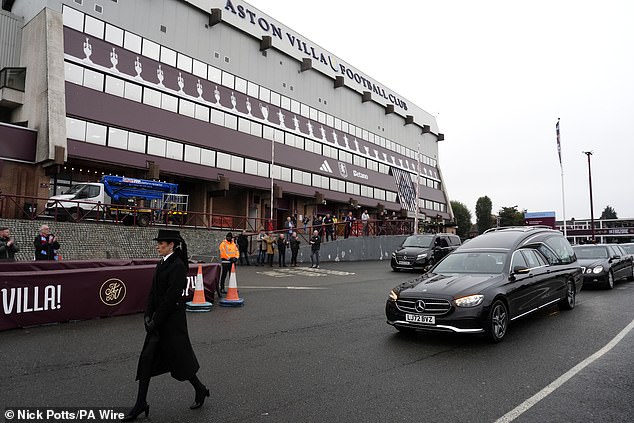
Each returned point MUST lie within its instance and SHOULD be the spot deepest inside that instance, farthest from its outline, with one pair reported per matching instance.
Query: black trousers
(226, 269)
(282, 258)
(294, 257)
(244, 254)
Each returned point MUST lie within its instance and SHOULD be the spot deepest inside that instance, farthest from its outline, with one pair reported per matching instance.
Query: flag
(558, 143)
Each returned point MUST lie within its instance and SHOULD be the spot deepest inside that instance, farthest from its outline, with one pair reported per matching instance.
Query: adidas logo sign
(325, 167)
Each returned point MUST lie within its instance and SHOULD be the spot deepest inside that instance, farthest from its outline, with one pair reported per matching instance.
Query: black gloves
(233, 260)
(150, 326)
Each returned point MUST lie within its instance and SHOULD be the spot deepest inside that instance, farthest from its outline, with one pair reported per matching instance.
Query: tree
(608, 213)
(463, 218)
(509, 216)
(483, 214)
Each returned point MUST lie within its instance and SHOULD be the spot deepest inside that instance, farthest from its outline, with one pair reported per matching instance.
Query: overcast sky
(498, 74)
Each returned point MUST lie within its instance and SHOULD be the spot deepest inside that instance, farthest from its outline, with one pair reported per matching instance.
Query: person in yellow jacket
(229, 254)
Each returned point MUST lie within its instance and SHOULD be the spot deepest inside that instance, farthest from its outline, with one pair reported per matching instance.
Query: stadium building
(241, 111)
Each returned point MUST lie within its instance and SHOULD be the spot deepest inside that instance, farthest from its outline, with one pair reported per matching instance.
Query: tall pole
(589, 153)
(417, 189)
(561, 165)
(272, 164)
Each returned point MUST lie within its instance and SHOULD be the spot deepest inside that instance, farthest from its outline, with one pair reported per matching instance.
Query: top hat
(168, 235)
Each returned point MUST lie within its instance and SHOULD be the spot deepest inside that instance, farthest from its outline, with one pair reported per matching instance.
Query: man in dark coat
(294, 249)
(243, 247)
(315, 245)
(167, 347)
(46, 244)
(282, 242)
(8, 248)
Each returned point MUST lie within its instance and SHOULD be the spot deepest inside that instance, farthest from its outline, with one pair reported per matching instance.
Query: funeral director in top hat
(167, 347)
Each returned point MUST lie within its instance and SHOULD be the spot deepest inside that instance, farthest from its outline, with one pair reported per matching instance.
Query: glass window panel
(285, 174)
(289, 139)
(286, 103)
(136, 142)
(169, 102)
(309, 145)
(241, 85)
(237, 164)
(152, 97)
(156, 146)
(73, 18)
(338, 124)
(351, 129)
(321, 117)
(117, 138)
(114, 35)
(256, 129)
(231, 121)
(263, 169)
(93, 80)
(133, 91)
(244, 125)
(295, 106)
(94, 27)
(251, 166)
(192, 154)
(268, 132)
(75, 129)
(132, 42)
(174, 150)
(345, 127)
(304, 110)
(199, 68)
(187, 108)
(275, 98)
(314, 113)
(330, 120)
(115, 86)
(297, 176)
(214, 74)
(202, 113)
(74, 73)
(276, 172)
(207, 157)
(223, 160)
(265, 94)
(306, 178)
(95, 134)
(358, 160)
(184, 63)
(218, 117)
(151, 49)
(168, 56)
(299, 142)
(253, 89)
(279, 136)
(228, 80)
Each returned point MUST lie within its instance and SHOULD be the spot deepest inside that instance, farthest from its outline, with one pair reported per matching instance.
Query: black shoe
(200, 398)
(136, 410)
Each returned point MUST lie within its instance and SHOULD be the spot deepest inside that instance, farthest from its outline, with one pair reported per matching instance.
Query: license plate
(403, 262)
(418, 318)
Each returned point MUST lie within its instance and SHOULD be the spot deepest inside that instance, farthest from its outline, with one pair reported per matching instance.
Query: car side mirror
(521, 270)
(615, 257)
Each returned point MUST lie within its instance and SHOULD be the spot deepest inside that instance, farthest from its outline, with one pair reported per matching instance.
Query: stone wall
(90, 240)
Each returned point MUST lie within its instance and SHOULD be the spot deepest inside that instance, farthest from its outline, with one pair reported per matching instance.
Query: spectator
(243, 247)
(294, 241)
(281, 250)
(347, 230)
(8, 247)
(270, 251)
(365, 219)
(305, 221)
(315, 244)
(317, 222)
(228, 255)
(329, 227)
(261, 247)
(46, 245)
(289, 225)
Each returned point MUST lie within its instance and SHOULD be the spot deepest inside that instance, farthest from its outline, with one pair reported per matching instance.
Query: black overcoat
(166, 306)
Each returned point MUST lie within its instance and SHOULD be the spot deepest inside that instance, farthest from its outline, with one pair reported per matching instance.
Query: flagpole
(417, 188)
(563, 197)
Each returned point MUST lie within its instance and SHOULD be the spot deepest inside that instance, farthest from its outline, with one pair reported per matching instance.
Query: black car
(420, 252)
(603, 264)
(483, 285)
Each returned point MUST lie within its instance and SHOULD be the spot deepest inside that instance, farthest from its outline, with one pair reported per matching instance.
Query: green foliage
(463, 219)
(483, 214)
(509, 216)
(608, 213)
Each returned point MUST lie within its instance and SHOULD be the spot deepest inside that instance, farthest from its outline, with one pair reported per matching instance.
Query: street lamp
(589, 153)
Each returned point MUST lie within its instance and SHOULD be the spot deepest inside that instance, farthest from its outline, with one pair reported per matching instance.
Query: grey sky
(498, 74)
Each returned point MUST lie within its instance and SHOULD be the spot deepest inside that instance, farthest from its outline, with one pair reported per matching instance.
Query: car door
(532, 289)
(618, 262)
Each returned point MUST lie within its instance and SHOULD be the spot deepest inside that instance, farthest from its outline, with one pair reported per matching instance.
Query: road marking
(282, 287)
(303, 271)
(523, 407)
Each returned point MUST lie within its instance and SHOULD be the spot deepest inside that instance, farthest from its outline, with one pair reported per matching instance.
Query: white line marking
(282, 287)
(523, 407)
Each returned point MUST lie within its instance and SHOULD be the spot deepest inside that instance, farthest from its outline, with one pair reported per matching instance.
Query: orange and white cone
(232, 299)
(199, 304)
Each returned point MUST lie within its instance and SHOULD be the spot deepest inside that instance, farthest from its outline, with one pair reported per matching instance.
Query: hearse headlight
(421, 256)
(393, 295)
(597, 269)
(469, 301)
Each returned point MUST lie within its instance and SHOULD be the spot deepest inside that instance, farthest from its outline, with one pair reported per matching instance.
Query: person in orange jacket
(229, 254)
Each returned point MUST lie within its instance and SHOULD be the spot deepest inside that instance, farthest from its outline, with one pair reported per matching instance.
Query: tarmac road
(313, 346)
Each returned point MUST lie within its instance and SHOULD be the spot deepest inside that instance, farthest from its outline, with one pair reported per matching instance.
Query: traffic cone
(199, 304)
(232, 299)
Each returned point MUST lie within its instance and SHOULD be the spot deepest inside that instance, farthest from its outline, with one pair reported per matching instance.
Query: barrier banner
(34, 294)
